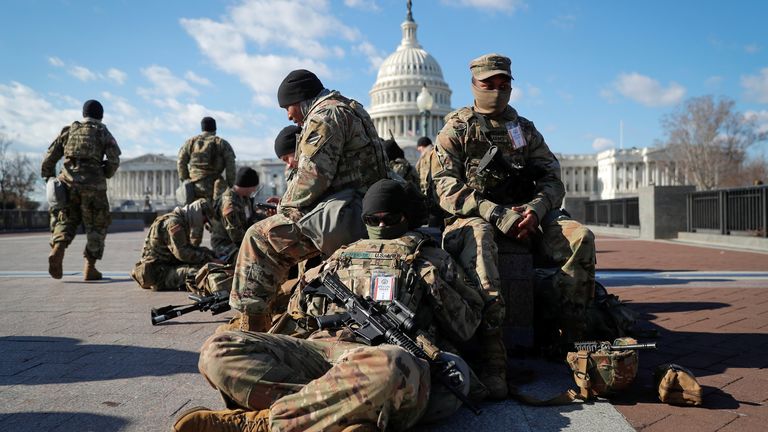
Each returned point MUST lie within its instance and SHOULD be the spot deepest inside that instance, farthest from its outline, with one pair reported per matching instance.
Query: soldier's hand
(508, 220)
(525, 226)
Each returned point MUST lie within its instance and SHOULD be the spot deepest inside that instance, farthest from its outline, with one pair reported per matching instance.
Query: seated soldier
(169, 258)
(327, 379)
(233, 213)
(399, 164)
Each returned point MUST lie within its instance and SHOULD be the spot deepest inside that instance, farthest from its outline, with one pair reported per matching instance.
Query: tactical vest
(363, 161)
(380, 270)
(84, 152)
(505, 178)
(205, 157)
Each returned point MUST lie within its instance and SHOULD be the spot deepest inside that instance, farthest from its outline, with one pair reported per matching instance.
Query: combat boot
(232, 325)
(493, 366)
(90, 272)
(56, 261)
(255, 322)
(202, 419)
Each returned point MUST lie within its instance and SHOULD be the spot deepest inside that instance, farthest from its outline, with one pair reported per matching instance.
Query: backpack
(211, 278)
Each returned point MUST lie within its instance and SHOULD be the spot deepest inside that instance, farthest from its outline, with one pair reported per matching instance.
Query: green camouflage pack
(211, 278)
(605, 372)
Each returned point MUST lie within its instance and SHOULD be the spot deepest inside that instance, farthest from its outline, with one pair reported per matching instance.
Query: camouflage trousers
(89, 208)
(317, 385)
(564, 241)
(209, 187)
(275, 244)
(163, 276)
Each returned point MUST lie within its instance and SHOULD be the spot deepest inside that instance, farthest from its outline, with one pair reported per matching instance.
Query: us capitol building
(410, 97)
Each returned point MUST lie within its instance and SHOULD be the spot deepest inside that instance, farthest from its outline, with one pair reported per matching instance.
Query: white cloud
(509, 6)
(362, 4)
(756, 86)
(117, 75)
(82, 73)
(55, 61)
(600, 144)
(752, 48)
(30, 120)
(646, 90)
(375, 56)
(760, 118)
(165, 84)
(516, 95)
(197, 79)
(260, 41)
(713, 81)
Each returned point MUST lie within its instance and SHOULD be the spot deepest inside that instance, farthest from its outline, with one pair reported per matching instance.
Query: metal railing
(623, 212)
(741, 211)
(35, 220)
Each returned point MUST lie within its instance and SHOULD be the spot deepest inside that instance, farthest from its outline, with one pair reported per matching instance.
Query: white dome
(399, 81)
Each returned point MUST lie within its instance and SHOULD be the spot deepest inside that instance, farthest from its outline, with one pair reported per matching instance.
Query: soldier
(496, 176)
(339, 155)
(327, 379)
(426, 185)
(91, 156)
(203, 158)
(168, 257)
(233, 213)
(399, 164)
(285, 146)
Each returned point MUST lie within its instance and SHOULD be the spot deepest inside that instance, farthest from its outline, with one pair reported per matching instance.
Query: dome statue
(410, 98)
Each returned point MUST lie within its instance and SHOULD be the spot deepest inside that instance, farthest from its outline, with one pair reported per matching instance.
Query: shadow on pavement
(34, 360)
(61, 421)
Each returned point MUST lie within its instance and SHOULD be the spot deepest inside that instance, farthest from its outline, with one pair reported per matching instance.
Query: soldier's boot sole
(202, 419)
(56, 261)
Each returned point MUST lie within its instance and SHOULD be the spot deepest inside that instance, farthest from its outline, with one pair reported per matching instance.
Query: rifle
(377, 324)
(594, 346)
(217, 303)
(263, 205)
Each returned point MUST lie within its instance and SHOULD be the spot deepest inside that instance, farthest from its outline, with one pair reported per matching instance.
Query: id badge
(516, 133)
(383, 286)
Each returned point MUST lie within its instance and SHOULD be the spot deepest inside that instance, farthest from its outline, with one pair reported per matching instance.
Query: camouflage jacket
(405, 170)
(423, 170)
(528, 175)
(419, 274)
(230, 221)
(90, 152)
(338, 149)
(206, 155)
(168, 242)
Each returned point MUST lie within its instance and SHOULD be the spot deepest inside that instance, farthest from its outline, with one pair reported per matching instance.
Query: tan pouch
(677, 385)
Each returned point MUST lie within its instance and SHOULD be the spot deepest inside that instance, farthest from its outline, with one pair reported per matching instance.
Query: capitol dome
(402, 78)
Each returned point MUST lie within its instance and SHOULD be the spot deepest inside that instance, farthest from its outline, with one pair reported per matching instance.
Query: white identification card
(383, 287)
(516, 133)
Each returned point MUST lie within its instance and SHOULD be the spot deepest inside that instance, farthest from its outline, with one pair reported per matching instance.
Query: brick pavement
(721, 334)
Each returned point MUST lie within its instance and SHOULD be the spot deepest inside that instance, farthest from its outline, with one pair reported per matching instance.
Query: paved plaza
(77, 356)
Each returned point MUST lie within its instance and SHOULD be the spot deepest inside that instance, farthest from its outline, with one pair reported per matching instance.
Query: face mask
(490, 101)
(387, 232)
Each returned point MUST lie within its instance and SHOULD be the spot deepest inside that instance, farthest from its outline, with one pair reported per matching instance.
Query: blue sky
(580, 67)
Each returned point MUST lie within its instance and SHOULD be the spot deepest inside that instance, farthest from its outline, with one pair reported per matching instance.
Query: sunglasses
(387, 219)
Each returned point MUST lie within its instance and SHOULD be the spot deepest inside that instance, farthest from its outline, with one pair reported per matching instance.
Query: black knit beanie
(93, 109)
(208, 124)
(285, 143)
(393, 150)
(385, 196)
(423, 142)
(298, 86)
(247, 177)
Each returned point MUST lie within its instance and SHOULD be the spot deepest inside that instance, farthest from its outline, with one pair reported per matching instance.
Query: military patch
(175, 229)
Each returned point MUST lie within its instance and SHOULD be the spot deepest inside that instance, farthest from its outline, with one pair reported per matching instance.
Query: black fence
(34, 220)
(742, 211)
(621, 212)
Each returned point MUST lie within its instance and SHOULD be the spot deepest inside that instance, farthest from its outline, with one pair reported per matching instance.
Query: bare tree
(17, 176)
(710, 141)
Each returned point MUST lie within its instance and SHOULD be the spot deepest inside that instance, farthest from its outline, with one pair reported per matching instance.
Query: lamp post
(424, 103)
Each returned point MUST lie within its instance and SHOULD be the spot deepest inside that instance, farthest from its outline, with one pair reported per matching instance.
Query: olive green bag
(211, 278)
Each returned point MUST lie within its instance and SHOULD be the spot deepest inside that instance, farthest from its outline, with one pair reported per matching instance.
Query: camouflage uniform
(535, 184)
(427, 188)
(168, 257)
(404, 169)
(339, 155)
(84, 146)
(330, 381)
(202, 159)
(233, 215)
